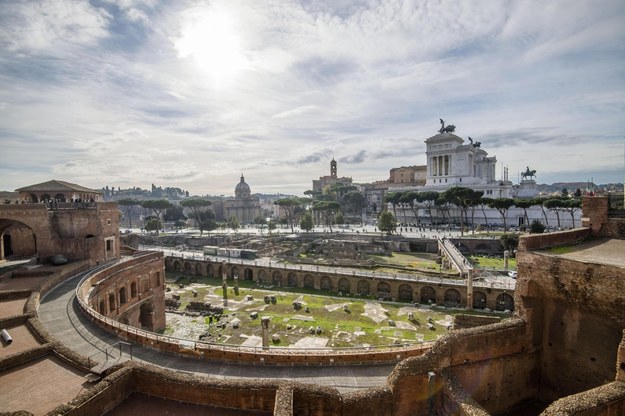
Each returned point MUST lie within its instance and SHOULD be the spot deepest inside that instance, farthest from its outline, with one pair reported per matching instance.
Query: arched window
(326, 283)
(452, 298)
(133, 289)
(277, 278)
(122, 295)
(309, 281)
(344, 285)
(428, 295)
(363, 287)
(111, 302)
(405, 293)
(102, 307)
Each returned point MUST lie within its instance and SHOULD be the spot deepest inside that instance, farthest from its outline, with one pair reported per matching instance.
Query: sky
(192, 94)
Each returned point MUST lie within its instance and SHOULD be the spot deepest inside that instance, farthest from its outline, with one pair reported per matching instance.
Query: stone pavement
(60, 315)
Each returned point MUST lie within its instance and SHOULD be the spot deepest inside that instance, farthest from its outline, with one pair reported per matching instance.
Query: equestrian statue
(449, 129)
(528, 173)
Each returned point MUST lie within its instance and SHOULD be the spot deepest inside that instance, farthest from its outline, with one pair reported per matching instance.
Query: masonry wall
(576, 310)
(132, 292)
(443, 292)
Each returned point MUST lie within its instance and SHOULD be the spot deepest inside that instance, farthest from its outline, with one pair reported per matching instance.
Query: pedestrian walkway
(61, 316)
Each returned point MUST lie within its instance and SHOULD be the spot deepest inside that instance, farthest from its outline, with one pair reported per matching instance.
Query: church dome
(242, 190)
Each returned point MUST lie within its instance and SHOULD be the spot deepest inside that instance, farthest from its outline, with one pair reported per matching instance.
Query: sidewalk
(59, 313)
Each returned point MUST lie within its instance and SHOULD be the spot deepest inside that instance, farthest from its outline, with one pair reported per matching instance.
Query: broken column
(264, 324)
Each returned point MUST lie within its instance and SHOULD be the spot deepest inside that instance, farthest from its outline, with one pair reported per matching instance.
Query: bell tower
(333, 168)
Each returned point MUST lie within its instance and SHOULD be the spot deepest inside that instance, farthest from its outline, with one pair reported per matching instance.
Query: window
(108, 222)
(109, 245)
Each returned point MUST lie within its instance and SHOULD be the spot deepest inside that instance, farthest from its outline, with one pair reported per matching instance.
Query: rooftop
(601, 251)
(56, 185)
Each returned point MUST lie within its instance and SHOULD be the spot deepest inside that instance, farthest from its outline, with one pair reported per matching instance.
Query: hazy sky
(192, 94)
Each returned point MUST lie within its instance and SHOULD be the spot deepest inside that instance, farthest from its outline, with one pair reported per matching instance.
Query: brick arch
(363, 288)
(504, 302)
(33, 217)
(452, 298)
(428, 294)
(344, 285)
(292, 280)
(263, 276)
(276, 278)
(309, 281)
(404, 293)
(325, 283)
(479, 300)
(384, 289)
(248, 274)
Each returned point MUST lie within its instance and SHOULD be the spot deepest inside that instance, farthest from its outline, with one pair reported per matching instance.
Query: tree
(174, 214)
(338, 218)
(541, 203)
(524, 204)
(153, 224)
(393, 199)
(208, 225)
(288, 205)
(233, 222)
(502, 205)
(537, 227)
(409, 198)
(387, 222)
(462, 198)
(260, 221)
(428, 199)
(328, 210)
(157, 206)
(306, 222)
(354, 202)
(554, 204)
(271, 226)
(196, 206)
(129, 204)
(485, 202)
(443, 204)
(571, 206)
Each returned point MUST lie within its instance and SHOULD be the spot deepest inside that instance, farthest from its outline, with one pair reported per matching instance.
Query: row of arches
(403, 292)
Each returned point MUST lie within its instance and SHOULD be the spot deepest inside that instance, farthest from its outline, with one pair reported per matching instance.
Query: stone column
(225, 287)
(264, 323)
(506, 257)
(470, 289)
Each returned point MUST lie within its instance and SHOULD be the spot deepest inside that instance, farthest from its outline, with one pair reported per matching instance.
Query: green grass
(483, 262)
(338, 325)
(561, 250)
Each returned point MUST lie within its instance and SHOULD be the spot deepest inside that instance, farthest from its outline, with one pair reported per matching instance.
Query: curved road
(61, 316)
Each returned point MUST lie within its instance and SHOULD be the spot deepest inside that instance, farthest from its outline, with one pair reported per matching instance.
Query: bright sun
(211, 38)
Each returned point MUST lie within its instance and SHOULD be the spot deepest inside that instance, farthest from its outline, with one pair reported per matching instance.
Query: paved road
(60, 314)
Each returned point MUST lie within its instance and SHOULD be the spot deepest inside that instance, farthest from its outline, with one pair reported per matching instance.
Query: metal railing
(347, 272)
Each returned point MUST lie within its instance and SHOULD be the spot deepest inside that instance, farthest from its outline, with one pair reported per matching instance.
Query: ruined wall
(576, 311)
(76, 233)
(493, 364)
(440, 291)
(597, 217)
(541, 241)
(132, 292)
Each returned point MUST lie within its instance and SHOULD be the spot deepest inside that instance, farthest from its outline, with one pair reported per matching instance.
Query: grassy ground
(418, 261)
(484, 262)
(363, 322)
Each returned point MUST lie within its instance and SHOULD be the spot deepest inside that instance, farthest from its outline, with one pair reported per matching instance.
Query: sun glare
(211, 39)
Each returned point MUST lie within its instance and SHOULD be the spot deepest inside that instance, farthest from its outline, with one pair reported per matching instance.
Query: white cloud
(47, 25)
(363, 82)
